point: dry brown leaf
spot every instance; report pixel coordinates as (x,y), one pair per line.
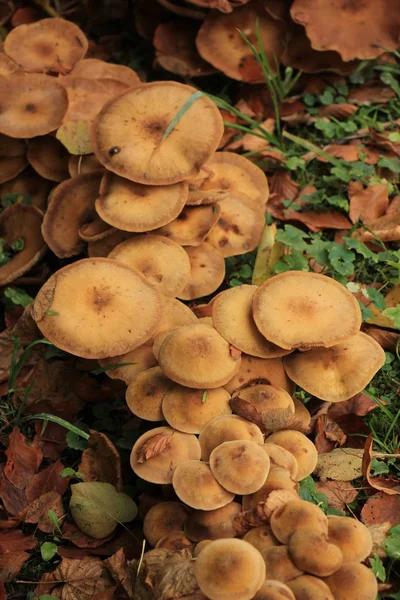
(47,480)
(247,411)
(13,546)
(71,532)
(386,227)
(388,485)
(14,499)
(387,339)
(339,493)
(342,464)
(2,591)
(381,508)
(23,459)
(370,93)
(38,511)
(252,143)
(322,441)
(379,534)
(101,462)
(348,152)
(282,185)
(154,446)
(118,566)
(360,405)
(338,111)
(367,204)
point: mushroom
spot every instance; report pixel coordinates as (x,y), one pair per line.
(175,540)
(163,518)
(197,487)
(200,546)
(281,458)
(189,410)
(297,516)
(175,314)
(28,184)
(261,537)
(94,68)
(229,569)
(274,405)
(7,66)
(307,587)
(141,148)
(12,157)
(274,590)
(351,536)
(197,356)
(224,429)
(300,446)
(260,370)
(304,310)
(338,373)
(95,323)
(79,165)
(158,452)
(311,551)
(354,581)
(49,158)
(212,524)
(162,262)
(278,479)
(207,271)
(103,247)
(192,225)
(131,364)
(146,392)
(301,419)
(279,565)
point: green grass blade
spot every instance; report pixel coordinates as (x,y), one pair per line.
(181,112)
(59,421)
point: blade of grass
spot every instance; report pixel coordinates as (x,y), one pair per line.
(18,365)
(59,421)
(312,148)
(181,112)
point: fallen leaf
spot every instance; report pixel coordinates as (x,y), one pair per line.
(14,499)
(47,480)
(370,93)
(360,405)
(247,411)
(381,508)
(379,534)
(367,204)
(2,591)
(338,111)
(388,485)
(386,227)
(250,142)
(282,185)
(38,511)
(349,153)
(121,572)
(387,339)
(101,462)
(154,446)
(75,136)
(23,459)
(81,540)
(342,464)
(339,493)
(13,546)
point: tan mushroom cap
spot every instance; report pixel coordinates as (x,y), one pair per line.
(281,458)
(239,227)
(24,222)
(300,446)
(199,196)
(198,357)
(103,247)
(229,569)
(7,66)
(298,515)
(233,319)
(224,429)
(354,581)
(94,68)
(49,158)
(175,314)
(191,225)
(159,468)
(274,405)
(46,46)
(129,365)
(351,536)
(175,540)
(197,487)
(159,340)
(261,537)
(207,271)
(146,392)
(336,374)
(162,262)
(324,559)
(163,518)
(71,206)
(189,410)
(260,370)
(28,183)
(240,466)
(274,590)
(31,105)
(80,165)
(86,308)
(279,565)
(135,207)
(212,524)
(278,480)
(298,309)
(95,229)
(301,419)
(306,587)
(135,148)
(200,546)
(12,157)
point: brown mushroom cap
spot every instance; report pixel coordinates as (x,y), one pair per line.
(174,540)
(298,515)
(7,66)
(28,184)
(79,165)
(354,581)
(189,410)
(281,458)
(94,68)
(260,370)
(307,587)
(300,446)
(135,149)
(197,487)
(141,359)
(175,314)
(279,565)
(274,405)
(135,207)
(233,319)
(278,479)
(192,225)
(274,590)
(103,247)
(224,429)
(298,309)
(164,518)
(49,158)
(351,536)
(311,552)
(12,157)
(163,263)
(207,271)
(229,569)
(200,546)
(31,105)
(46,46)
(176,449)
(338,373)
(96,322)
(20,221)
(95,229)
(197,356)
(301,419)
(212,524)
(146,392)
(261,537)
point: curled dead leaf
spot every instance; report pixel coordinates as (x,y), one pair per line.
(367,204)
(101,462)
(381,508)
(339,493)
(388,485)
(154,446)
(23,459)
(247,411)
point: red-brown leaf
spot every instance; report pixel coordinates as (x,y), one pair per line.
(381,508)
(38,511)
(339,493)
(388,485)
(71,532)
(47,480)
(367,204)
(101,462)
(247,411)
(23,459)
(13,546)
(14,500)
(154,446)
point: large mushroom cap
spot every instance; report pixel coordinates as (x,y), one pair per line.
(298,515)
(197,487)
(261,537)
(49,158)
(129,365)
(94,68)
(325,557)
(261,370)
(224,429)
(191,225)
(212,524)
(351,536)
(275,590)
(12,157)
(96,308)
(146,392)
(354,581)
(207,271)
(336,374)
(47,46)
(197,356)
(31,105)
(279,565)
(303,310)
(127,136)
(164,518)
(307,586)
(300,446)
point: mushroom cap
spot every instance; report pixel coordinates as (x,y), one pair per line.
(233,319)
(300,446)
(207,271)
(351,536)
(21,221)
(354,581)
(240,466)
(175,314)
(296,516)
(31,105)
(225,429)
(278,479)
(94,322)
(174,540)
(274,405)
(12,157)
(103,247)
(94,68)
(162,262)
(299,309)
(274,590)
(80,165)
(146,392)
(281,458)
(197,487)
(47,46)
(191,225)
(239,227)
(311,552)
(301,419)
(229,569)
(197,356)
(307,587)
(7,66)
(135,207)
(135,148)
(141,359)
(261,537)
(260,370)
(49,158)
(163,518)
(159,468)
(279,565)
(212,524)
(189,410)
(200,546)
(28,183)
(338,373)
(95,229)
(71,206)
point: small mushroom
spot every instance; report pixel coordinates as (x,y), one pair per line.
(212,524)
(274,590)
(79,165)
(163,518)
(175,314)
(261,537)
(278,479)
(281,458)
(49,158)
(94,68)
(311,551)
(260,370)
(300,446)
(279,565)
(102,248)
(207,271)
(351,536)
(307,587)
(297,516)
(301,419)
(354,581)
(274,405)
(28,184)
(224,429)
(197,487)
(145,394)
